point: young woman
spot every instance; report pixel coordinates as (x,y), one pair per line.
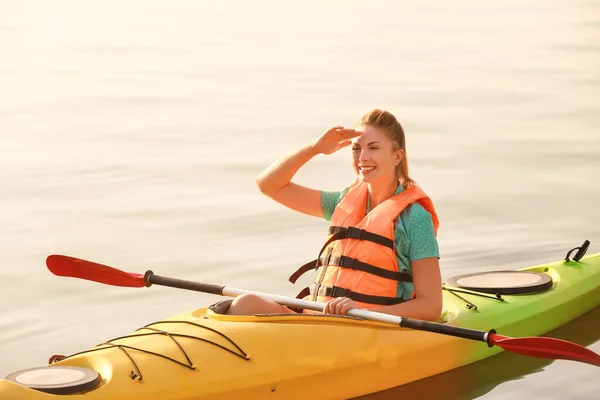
(381,253)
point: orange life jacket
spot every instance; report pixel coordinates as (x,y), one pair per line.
(360,253)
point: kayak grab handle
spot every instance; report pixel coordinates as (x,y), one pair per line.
(448,330)
(581,250)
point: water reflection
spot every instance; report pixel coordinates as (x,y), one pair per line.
(478,379)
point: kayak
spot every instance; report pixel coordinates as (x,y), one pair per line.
(205,354)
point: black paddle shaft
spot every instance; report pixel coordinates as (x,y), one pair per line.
(151,279)
(447,330)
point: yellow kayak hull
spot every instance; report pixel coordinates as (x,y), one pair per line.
(326,357)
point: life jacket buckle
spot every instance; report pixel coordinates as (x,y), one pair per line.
(337,291)
(348,262)
(355,233)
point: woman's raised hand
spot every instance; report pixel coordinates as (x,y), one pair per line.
(335,139)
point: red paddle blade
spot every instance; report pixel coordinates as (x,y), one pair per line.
(545,347)
(77,268)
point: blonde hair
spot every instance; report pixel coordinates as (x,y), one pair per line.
(386,121)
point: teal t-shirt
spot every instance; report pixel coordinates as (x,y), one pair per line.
(414,235)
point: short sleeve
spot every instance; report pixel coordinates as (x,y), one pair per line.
(329,200)
(419,228)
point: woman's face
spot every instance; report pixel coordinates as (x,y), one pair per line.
(374,156)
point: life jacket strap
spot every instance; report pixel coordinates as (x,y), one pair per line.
(357,265)
(336,291)
(303,293)
(354,264)
(314,264)
(339,233)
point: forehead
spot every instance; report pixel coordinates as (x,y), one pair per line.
(370,134)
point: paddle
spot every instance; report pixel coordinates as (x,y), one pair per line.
(542,347)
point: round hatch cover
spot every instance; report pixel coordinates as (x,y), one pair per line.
(56,379)
(503,282)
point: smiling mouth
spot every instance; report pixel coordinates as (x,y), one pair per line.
(366,169)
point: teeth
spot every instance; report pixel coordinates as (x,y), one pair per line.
(367,168)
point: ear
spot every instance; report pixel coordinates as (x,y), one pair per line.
(398,156)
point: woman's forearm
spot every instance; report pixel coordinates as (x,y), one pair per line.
(280,173)
(419,308)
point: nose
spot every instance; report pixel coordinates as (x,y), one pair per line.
(364,155)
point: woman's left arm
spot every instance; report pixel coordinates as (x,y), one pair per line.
(427,304)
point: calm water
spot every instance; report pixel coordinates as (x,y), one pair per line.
(131,133)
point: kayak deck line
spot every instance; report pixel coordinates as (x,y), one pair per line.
(497,296)
(468,304)
(137,374)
